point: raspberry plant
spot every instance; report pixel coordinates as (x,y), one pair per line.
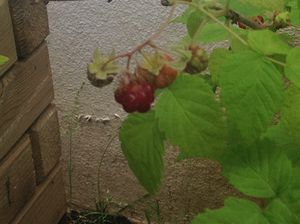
(245,113)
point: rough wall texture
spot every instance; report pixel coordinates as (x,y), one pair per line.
(77,28)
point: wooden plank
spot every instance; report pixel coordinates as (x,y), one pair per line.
(48,204)
(25,91)
(46,145)
(17,180)
(7,42)
(30,24)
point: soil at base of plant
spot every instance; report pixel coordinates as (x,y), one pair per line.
(75,217)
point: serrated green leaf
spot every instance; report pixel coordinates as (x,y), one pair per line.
(258,170)
(3,60)
(215,62)
(142,144)
(292,68)
(235,211)
(191,118)
(267,42)
(251,91)
(287,133)
(286,208)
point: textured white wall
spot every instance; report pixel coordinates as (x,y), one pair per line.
(77,28)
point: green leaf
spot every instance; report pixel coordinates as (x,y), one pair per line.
(292,68)
(252,91)
(3,60)
(194,22)
(286,208)
(191,118)
(212,32)
(255,7)
(183,18)
(235,211)
(142,144)
(216,61)
(267,42)
(258,170)
(287,133)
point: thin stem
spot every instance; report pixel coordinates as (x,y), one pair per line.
(276,61)
(101,161)
(146,42)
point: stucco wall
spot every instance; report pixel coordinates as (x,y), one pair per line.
(77,28)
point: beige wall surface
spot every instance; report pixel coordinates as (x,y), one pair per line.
(77,28)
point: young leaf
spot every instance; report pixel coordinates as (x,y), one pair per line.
(142,144)
(258,170)
(267,42)
(3,60)
(193,23)
(252,91)
(191,118)
(292,68)
(235,211)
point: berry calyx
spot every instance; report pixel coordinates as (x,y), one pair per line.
(198,61)
(135,97)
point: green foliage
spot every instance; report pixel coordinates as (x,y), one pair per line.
(252,90)
(267,42)
(190,117)
(292,68)
(251,124)
(235,211)
(258,170)
(3,60)
(142,144)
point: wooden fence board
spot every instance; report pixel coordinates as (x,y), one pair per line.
(17,180)
(30,24)
(48,204)
(7,42)
(46,145)
(25,91)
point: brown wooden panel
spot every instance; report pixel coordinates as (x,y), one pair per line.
(17,180)
(7,42)
(48,204)
(25,91)
(30,24)
(46,145)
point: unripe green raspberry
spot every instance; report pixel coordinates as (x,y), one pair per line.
(282,20)
(198,62)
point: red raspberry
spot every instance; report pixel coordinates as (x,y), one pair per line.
(135,97)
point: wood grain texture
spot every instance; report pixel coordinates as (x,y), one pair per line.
(46,145)
(48,204)
(7,42)
(17,180)
(30,24)
(25,91)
